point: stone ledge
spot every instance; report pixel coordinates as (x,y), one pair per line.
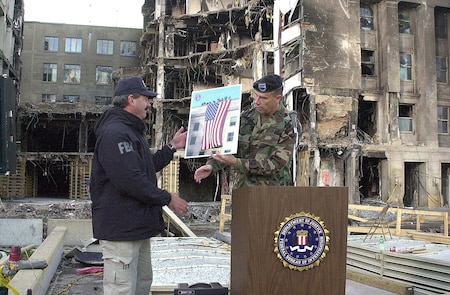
(38,280)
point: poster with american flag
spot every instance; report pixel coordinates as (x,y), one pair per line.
(214,121)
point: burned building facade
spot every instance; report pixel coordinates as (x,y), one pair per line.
(11,38)
(368,79)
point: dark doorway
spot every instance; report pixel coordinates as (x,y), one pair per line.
(414,185)
(445,183)
(367,118)
(370,178)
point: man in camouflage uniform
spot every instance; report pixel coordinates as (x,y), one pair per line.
(266,141)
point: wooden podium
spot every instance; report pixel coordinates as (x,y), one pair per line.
(264,217)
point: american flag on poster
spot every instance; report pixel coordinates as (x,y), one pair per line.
(214,120)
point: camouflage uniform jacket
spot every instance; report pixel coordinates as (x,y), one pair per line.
(264,150)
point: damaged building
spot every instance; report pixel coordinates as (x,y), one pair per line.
(368,80)
(66,84)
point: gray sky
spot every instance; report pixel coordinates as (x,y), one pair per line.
(110,13)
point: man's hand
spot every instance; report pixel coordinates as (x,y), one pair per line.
(177,204)
(228,160)
(179,139)
(202,172)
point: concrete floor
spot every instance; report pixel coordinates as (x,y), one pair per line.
(355,288)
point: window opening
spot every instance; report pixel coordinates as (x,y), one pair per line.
(105,47)
(405,66)
(50,72)
(103,75)
(441,69)
(72,74)
(367,63)
(51,44)
(128,48)
(366,17)
(442,120)
(73,45)
(404,21)
(405,117)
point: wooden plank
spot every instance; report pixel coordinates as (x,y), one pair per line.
(434,238)
(171,217)
(223,216)
(378,282)
(420,216)
(357,218)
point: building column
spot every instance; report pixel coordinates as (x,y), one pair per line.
(425,44)
(389,46)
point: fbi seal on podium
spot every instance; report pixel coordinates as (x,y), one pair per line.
(302,241)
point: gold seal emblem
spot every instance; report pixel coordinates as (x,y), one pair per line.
(302,241)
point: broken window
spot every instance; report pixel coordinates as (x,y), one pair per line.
(50,72)
(73,45)
(103,100)
(292,58)
(405,66)
(48,97)
(404,20)
(367,63)
(105,47)
(51,44)
(445,184)
(440,24)
(72,74)
(442,120)
(71,98)
(366,17)
(293,16)
(441,69)
(128,48)
(103,75)
(405,117)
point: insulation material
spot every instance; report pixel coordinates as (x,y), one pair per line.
(333,115)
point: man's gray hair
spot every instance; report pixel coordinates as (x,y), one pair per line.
(121,101)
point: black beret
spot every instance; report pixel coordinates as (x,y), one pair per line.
(268,83)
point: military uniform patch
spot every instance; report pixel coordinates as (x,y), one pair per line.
(302,241)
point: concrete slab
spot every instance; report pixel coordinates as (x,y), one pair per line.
(78,230)
(21,232)
(38,280)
